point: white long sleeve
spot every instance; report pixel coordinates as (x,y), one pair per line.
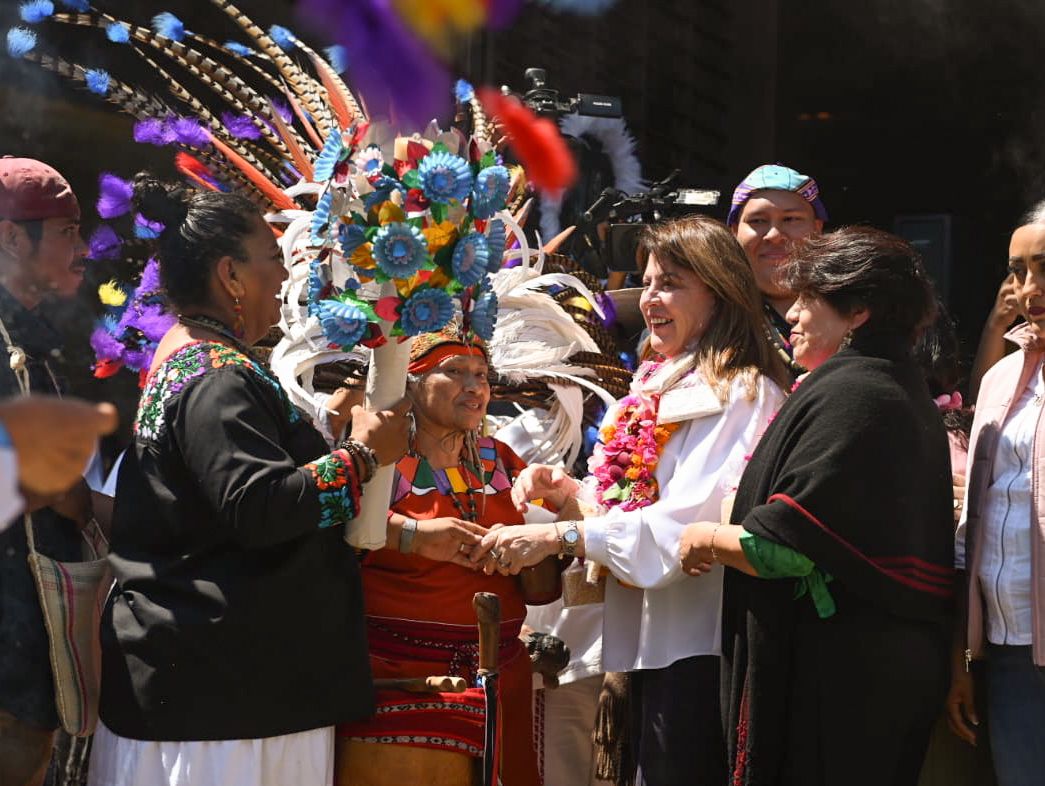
(667,615)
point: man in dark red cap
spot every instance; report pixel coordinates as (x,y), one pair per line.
(41,256)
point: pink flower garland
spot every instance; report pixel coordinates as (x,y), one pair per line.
(626,457)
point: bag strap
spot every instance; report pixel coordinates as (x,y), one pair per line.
(17,358)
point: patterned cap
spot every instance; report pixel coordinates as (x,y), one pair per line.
(776,177)
(431,349)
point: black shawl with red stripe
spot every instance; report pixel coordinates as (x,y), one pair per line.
(854,473)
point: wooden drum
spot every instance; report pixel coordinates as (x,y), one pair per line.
(360,763)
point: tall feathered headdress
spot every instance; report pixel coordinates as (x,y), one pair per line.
(384,235)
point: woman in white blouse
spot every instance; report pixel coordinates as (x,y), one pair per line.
(1001,537)
(695,412)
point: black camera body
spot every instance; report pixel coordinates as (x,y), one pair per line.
(546,101)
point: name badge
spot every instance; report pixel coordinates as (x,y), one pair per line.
(687,403)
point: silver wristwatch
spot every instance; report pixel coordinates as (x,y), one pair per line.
(569,538)
(406,536)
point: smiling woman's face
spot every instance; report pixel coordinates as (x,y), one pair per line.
(454,395)
(676,305)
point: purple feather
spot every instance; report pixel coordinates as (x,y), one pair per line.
(188,131)
(104,243)
(390,64)
(283,110)
(154,322)
(114,196)
(152,131)
(240,126)
(105,345)
(150,278)
(144,229)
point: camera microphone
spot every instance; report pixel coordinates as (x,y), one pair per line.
(607,197)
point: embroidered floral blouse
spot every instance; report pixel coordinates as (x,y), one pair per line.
(238,608)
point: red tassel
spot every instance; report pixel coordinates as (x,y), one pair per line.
(536,141)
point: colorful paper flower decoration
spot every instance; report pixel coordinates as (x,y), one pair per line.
(352,236)
(370,160)
(444,177)
(496,238)
(319,283)
(426,311)
(329,157)
(400,250)
(344,324)
(490,191)
(484,315)
(469,259)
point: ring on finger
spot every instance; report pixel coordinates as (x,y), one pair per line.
(496,554)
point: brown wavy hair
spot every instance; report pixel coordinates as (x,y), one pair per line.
(735,343)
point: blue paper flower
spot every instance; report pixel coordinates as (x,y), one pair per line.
(496,238)
(484,315)
(470,257)
(369,160)
(444,177)
(321,216)
(319,278)
(426,311)
(343,323)
(490,191)
(352,236)
(383,188)
(329,157)
(400,250)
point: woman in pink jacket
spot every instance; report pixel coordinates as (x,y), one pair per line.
(1001,537)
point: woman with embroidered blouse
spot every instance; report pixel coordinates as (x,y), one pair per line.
(669,453)
(233,640)
(838,549)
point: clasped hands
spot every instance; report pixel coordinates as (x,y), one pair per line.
(503,549)
(695,553)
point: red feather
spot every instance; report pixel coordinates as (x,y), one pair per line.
(195,170)
(536,140)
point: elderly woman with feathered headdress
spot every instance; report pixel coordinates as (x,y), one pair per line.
(450,489)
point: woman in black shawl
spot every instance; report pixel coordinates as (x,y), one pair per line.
(835,623)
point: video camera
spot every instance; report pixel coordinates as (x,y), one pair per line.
(662,200)
(545,101)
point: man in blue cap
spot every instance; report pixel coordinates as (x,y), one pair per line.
(772,208)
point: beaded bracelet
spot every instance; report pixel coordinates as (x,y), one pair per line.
(364,453)
(714,532)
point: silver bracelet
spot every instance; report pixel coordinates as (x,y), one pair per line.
(406,536)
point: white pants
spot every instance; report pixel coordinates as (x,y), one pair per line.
(302,759)
(568,720)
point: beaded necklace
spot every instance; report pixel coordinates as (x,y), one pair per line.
(472,512)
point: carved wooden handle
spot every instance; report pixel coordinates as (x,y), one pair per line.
(488,611)
(424,684)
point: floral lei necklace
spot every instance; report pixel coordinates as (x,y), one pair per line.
(626,457)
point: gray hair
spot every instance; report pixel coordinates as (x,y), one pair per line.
(1036,215)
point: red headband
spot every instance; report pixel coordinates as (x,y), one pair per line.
(441,352)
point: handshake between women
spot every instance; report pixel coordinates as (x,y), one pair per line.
(508,550)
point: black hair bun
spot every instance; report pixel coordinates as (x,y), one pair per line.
(166,203)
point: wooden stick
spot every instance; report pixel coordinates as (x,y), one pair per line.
(488,611)
(424,684)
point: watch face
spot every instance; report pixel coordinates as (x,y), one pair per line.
(570,537)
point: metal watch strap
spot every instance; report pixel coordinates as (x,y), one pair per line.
(568,546)
(406,536)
